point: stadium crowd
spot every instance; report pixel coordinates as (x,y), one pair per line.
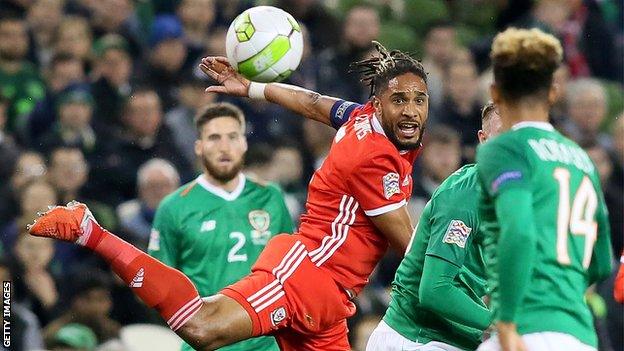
(97,99)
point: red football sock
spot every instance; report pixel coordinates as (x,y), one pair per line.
(167,290)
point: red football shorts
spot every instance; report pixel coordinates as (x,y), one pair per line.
(287,296)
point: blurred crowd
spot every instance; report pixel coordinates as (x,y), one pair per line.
(97,99)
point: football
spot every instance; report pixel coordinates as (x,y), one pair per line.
(264,44)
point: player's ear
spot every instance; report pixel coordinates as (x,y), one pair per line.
(377,105)
(554,93)
(198,148)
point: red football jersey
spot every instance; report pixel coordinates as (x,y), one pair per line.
(363,175)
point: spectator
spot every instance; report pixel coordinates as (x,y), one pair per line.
(289,178)
(34,197)
(8,149)
(258,161)
(88,303)
(68,172)
(73,36)
(167,56)
(73,127)
(142,138)
(318,139)
(117,17)
(19,80)
(112,84)
(313,14)
(43,18)
(35,285)
(197,17)
(440,44)
(440,157)
(63,72)
(586,103)
(361,26)
(25,328)
(29,167)
(589,42)
(155,179)
(73,337)
(180,118)
(461,109)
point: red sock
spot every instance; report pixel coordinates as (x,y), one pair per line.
(167,290)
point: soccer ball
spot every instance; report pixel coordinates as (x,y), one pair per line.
(264,44)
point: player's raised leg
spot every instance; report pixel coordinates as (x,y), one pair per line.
(205,324)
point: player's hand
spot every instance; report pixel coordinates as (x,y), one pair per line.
(509,338)
(231,82)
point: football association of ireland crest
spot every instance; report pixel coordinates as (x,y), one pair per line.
(260,221)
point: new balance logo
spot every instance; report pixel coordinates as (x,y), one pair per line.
(208,225)
(137,281)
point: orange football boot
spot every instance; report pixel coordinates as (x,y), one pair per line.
(71,223)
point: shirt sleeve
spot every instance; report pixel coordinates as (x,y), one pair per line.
(501,168)
(376,185)
(341,112)
(452,230)
(163,238)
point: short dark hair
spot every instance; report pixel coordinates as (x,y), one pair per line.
(443,135)
(437,24)
(218,109)
(83,282)
(379,70)
(485,111)
(524,62)
(140,89)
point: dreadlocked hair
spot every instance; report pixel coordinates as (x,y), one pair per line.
(377,71)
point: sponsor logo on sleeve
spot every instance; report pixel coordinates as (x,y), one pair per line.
(505,177)
(391,184)
(154,240)
(457,233)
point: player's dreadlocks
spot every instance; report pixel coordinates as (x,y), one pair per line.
(379,70)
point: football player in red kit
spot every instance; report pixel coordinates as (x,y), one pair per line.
(300,288)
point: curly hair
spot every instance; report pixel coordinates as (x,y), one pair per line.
(524,61)
(377,71)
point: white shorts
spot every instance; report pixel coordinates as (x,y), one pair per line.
(544,341)
(385,338)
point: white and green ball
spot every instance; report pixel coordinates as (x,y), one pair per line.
(264,44)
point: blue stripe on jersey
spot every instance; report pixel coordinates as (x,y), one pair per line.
(341,111)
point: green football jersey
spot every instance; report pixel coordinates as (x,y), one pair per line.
(449,229)
(569,213)
(214,237)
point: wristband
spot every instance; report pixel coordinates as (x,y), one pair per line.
(256,90)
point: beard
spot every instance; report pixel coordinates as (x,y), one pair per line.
(402,145)
(220,174)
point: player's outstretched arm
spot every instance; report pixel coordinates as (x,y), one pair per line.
(206,324)
(307,103)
